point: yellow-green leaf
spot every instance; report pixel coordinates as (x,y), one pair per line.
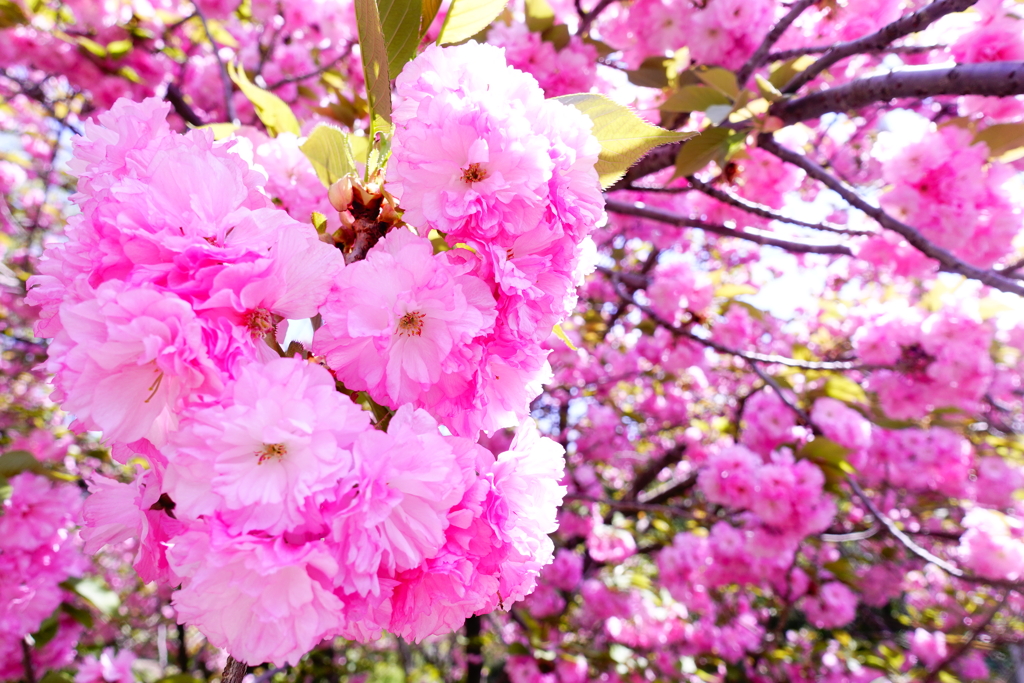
(843,388)
(1001,138)
(119,48)
(220,130)
(539,15)
(466,18)
(400,25)
(558,35)
(712,144)
(784,73)
(694,98)
(428,12)
(11,14)
(375,59)
(560,333)
(328,149)
(722,80)
(15,462)
(272,110)
(826,451)
(623,135)
(767,90)
(652,73)
(730,290)
(319,221)
(96,591)
(92,47)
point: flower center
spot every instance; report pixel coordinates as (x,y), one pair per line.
(914,361)
(411,324)
(474,173)
(271,450)
(259,322)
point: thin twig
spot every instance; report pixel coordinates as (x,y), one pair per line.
(966,645)
(625,505)
(26,661)
(750,234)
(948,261)
(850,537)
(758,58)
(748,356)
(905,25)
(764,211)
(225,79)
(587,19)
(295,79)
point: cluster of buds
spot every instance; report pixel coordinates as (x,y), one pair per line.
(367,213)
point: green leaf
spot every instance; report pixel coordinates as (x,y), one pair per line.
(558,35)
(46,631)
(652,73)
(328,149)
(56,677)
(843,570)
(466,18)
(400,25)
(428,12)
(767,90)
(784,73)
(826,451)
(92,47)
(272,110)
(319,221)
(843,388)
(730,290)
(560,333)
(220,130)
(539,15)
(712,144)
(15,462)
(119,48)
(623,135)
(98,594)
(82,616)
(178,678)
(694,98)
(11,14)
(1001,138)
(375,59)
(722,80)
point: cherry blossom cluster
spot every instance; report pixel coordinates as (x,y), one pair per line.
(38,552)
(267,492)
(945,186)
(508,178)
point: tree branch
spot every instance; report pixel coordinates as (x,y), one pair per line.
(785,55)
(234,671)
(748,356)
(966,645)
(992,79)
(758,58)
(651,472)
(229,104)
(757,237)
(948,261)
(905,25)
(177,100)
(764,211)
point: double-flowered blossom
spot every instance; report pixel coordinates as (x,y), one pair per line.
(37,553)
(937,361)
(281,510)
(945,187)
(508,178)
